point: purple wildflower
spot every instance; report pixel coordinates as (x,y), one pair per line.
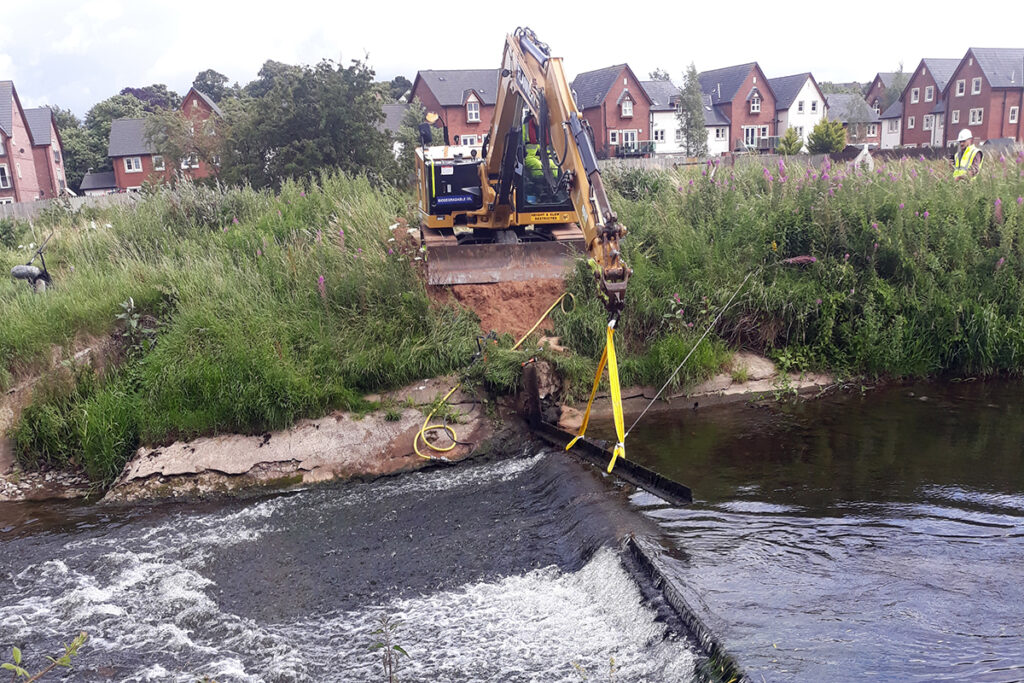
(874,226)
(853,290)
(235,220)
(302,194)
(390,251)
(1000,262)
(998,201)
(817,302)
(1020,200)
(846,257)
(902,205)
(259,252)
(322,286)
(925,214)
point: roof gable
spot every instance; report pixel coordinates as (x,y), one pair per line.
(663,94)
(40,123)
(591,87)
(941,70)
(894,111)
(723,84)
(6,107)
(451,87)
(205,98)
(850,107)
(786,88)
(128,138)
(1003,67)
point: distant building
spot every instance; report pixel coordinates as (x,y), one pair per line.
(618,109)
(985,94)
(464,100)
(878,90)
(665,132)
(392,123)
(743,96)
(891,121)
(924,107)
(97,183)
(31,156)
(799,104)
(136,160)
(861,123)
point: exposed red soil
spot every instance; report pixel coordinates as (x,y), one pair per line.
(511,307)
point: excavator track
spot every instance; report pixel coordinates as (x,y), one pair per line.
(455,261)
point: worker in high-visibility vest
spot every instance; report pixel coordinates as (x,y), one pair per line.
(967,160)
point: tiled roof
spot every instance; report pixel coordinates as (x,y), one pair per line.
(452,87)
(722,84)
(941,70)
(894,111)
(213,105)
(6,111)
(393,114)
(713,115)
(786,88)
(98,180)
(1003,67)
(847,107)
(940,106)
(591,87)
(887,78)
(128,138)
(39,125)
(663,94)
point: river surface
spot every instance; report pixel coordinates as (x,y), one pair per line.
(875,536)
(863,536)
(499,571)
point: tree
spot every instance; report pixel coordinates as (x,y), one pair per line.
(325,116)
(830,88)
(211,83)
(690,114)
(79,155)
(400,85)
(177,137)
(154,97)
(895,88)
(790,143)
(828,137)
(659,75)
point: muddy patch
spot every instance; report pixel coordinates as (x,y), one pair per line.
(505,307)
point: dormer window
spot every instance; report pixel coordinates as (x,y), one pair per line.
(755,104)
(627,108)
(472,110)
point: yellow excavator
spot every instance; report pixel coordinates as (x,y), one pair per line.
(525,203)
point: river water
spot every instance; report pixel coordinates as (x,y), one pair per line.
(874,536)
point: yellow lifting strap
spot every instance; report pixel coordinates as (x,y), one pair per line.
(607,357)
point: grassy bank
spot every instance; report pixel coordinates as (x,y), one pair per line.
(241,311)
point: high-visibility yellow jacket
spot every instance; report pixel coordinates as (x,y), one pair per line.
(964,160)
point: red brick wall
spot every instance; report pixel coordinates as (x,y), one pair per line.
(739,109)
(996,104)
(5,160)
(196,109)
(876,93)
(125,180)
(455,116)
(19,156)
(917,135)
(612,116)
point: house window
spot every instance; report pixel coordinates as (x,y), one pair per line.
(755,105)
(613,137)
(5,178)
(800,107)
(679,134)
(56,156)
(133,164)
(659,136)
(3,149)
(928,122)
(961,87)
(910,122)
(976,86)
(976,117)
(954,116)
(1014,112)
(814,106)
(216,160)
(17,168)
(629,137)
(469,140)
(749,135)
(763,132)
(915,95)
(877,108)
(872,130)
(721,133)
(472,111)
(191,161)
(158,163)
(929,93)
(627,108)
(800,132)
(894,125)
(61,185)
(6,200)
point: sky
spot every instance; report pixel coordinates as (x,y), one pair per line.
(74,54)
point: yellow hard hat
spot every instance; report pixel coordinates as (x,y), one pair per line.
(431,117)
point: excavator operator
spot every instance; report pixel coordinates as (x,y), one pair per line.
(534,184)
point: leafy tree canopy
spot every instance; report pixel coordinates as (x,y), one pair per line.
(399,86)
(691,115)
(659,75)
(790,143)
(828,137)
(154,97)
(212,83)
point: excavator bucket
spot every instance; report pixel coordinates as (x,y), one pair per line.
(452,263)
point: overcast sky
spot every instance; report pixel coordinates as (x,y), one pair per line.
(74,54)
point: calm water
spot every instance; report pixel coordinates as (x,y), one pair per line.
(859,537)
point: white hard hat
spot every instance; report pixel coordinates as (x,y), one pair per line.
(965,134)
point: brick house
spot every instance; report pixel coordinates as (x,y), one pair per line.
(861,123)
(799,103)
(47,152)
(743,96)
(135,159)
(18,179)
(985,93)
(98,183)
(924,108)
(876,93)
(618,109)
(462,98)
(665,132)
